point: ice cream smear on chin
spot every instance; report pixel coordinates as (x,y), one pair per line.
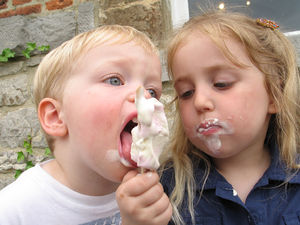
(209,132)
(151,133)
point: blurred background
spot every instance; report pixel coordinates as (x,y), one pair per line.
(285,13)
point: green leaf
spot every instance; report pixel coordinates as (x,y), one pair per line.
(3,59)
(18,173)
(29,164)
(29,150)
(43,48)
(31,46)
(7,52)
(26,144)
(20,156)
(26,53)
(47,151)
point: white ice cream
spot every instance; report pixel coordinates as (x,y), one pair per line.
(151,134)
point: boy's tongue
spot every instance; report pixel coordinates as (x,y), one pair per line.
(144,145)
(126,141)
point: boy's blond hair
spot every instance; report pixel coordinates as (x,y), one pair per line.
(273,54)
(57,65)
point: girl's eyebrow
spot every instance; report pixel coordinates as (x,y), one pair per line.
(207,70)
(219,67)
(182,79)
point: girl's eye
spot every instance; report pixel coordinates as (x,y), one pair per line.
(222,85)
(115,81)
(152,93)
(186,94)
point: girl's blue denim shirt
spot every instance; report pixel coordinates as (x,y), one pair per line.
(274,200)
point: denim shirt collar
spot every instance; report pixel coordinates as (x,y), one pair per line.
(276,172)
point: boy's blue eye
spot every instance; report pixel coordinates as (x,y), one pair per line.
(115,81)
(152,93)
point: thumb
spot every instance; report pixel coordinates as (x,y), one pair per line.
(129,175)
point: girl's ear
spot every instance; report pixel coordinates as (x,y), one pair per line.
(49,113)
(272,109)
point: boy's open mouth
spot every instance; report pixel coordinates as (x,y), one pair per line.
(125,144)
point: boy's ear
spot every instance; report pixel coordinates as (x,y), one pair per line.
(49,113)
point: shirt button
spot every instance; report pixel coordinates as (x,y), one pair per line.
(249,219)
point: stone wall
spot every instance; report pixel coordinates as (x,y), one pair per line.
(51,23)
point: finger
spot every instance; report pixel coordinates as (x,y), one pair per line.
(161,209)
(121,192)
(129,175)
(159,213)
(165,216)
(141,183)
(160,206)
(152,195)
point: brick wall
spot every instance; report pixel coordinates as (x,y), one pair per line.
(51,22)
(27,7)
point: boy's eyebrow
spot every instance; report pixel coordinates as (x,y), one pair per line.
(113,61)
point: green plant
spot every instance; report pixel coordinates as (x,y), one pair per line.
(9,53)
(25,156)
(6,54)
(31,47)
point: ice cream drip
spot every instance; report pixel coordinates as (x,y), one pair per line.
(209,132)
(151,133)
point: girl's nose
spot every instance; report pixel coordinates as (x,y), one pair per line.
(203,102)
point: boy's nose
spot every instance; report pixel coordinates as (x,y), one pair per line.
(147,94)
(132,95)
(203,102)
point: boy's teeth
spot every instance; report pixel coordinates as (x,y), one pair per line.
(135,120)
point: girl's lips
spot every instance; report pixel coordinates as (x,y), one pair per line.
(209,130)
(209,127)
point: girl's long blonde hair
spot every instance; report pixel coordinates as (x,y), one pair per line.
(273,54)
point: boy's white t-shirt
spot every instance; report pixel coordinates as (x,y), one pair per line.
(36,198)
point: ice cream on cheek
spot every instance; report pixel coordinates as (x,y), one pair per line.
(209,132)
(150,135)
